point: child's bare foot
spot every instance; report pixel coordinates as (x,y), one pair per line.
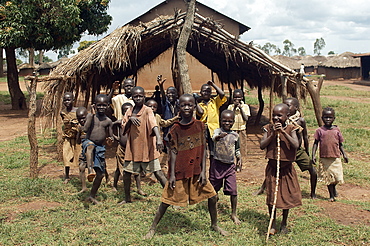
(93,200)
(259,192)
(313,196)
(82,190)
(283,229)
(90,177)
(272,231)
(124,202)
(220,230)
(331,199)
(236,220)
(150,234)
(66,180)
(114,189)
(140,192)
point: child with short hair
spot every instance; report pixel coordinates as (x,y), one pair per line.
(225,160)
(120,99)
(81,114)
(241,112)
(96,127)
(70,129)
(160,122)
(208,109)
(187,178)
(330,141)
(144,142)
(289,193)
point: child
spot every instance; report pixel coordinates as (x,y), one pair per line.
(289,193)
(120,154)
(81,114)
(242,112)
(143,142)
(96,128)
(222,168)
(120,99)
(70,129)
(303,156)
(330,139)
(160,122)
(157,97)
(209,110)
(187,177)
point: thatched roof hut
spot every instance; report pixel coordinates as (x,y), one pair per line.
(291,62)
(344,60)
(127,49)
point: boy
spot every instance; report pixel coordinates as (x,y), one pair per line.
(96,127)
(81,114)
(289,193)
(242,112)
(120,99)
(222,168)
(209,110)
(331,146)
(187,177)
(70,129)
(142,149)
(120,154)
(303,156)
(160,122)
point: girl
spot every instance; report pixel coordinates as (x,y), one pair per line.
(330,139)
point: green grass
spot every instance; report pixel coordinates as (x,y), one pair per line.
(5,96)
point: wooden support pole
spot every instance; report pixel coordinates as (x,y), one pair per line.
(271,97)
(284,88)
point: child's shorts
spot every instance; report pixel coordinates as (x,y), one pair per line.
(303,160)
(187,191)
(223,174)
(138,167)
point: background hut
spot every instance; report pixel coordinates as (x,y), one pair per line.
(341,66)
(365,65)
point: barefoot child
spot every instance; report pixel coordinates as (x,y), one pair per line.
(96,127)
(120,154)
(120,99)
(70,129)
(81,114)
(330,139)
(242,112)
(289,193)
(223,166)
(143,142)
(187,172)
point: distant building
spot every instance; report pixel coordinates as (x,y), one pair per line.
(365,65)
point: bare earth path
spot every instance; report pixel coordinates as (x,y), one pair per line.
(13,123)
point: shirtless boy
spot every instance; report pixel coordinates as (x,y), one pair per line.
(96,128)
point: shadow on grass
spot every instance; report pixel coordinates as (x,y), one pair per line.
(174,221)
(256,220)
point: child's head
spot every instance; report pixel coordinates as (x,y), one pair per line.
(125,107)
(280,113)
(227,119)
(237,96)
(187,105)
(156,88)
(171,94)
(101,103)
(152,104)
(206,91)
(328,116)
(293,105)
(138,95)
(81,113)
(128,84)
(68,99)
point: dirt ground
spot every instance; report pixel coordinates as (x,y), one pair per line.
(13,123)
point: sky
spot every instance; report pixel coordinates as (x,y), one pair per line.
(344,26)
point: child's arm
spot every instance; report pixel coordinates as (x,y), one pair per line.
(238,156)
(160,82)
(292,139)
(266,140)
(314,149)
(218,134)
(115,86)
(343,153)
(172,180)
(218,89)
(110,138)
(305,136)
(88,123)
(169,122)
(244,115)
(159,139)
(202,177)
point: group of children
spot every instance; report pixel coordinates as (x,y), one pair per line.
(194,127)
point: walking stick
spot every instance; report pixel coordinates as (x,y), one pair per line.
(276,186)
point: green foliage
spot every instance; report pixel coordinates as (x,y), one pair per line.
(84,45)
(301,51)
(318,46)
(268,48)
(65,51)
(331,53)
(5,96)
(288,49)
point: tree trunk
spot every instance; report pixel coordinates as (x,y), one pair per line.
(1,63)
(181,47)
(284,88)
(17,96)
(261,105)
(31,56)
(41,56)
(32,138)
(315,97)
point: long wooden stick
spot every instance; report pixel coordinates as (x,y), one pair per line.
(276,187)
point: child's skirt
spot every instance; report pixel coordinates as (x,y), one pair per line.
(330,171)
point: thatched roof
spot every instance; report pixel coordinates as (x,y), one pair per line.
(127,49)
(344,60)
(291,62)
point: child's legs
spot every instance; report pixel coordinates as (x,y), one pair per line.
(212,208)
(285,218)
(127,185)
(158,216)
(97,181)
(160,177)
(90,156)
(154,167)
(82,167)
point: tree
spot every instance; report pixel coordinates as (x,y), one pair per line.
(84,45)
(331,53)
(289,49)
(301,51)
(65,51)
(44,59)
(268,48)
(46,25)
(318,46)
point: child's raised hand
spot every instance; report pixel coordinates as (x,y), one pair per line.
(115,85)
(211,83)
(134,120)
(109,141)
(93,109)
(278,126)
(202,179)
(160,80)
